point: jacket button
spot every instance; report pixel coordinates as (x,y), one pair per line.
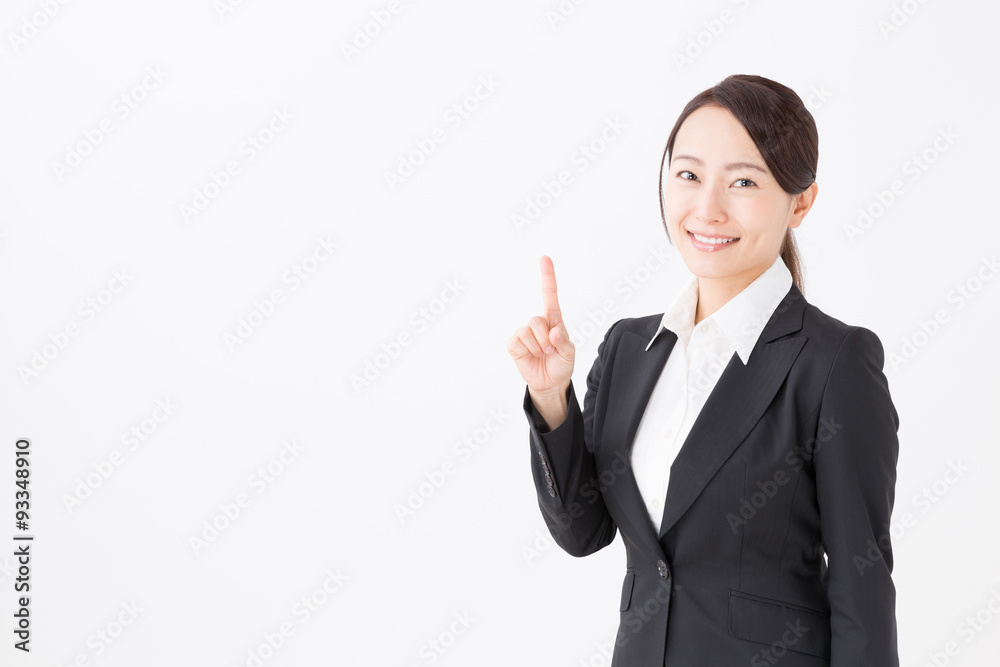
(662,567)
(552,492)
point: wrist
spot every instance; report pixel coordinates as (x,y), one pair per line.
(555,396)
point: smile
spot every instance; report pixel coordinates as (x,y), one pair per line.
(711,243)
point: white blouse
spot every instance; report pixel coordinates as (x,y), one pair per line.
(691,371)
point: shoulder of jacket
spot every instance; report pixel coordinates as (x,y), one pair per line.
(827,329)
(645,326)
(640,325)
(837,339)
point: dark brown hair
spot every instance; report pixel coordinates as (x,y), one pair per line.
(782,129)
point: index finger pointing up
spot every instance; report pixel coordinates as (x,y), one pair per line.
(550,300)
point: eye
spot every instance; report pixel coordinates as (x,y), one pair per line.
(745,180)
(681,174)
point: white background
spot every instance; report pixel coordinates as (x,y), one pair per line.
(477,546)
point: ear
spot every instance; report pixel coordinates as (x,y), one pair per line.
(801,203)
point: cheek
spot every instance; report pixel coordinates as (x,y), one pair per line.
(761,217)
(674,205)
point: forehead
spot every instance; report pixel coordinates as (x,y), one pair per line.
(713,131)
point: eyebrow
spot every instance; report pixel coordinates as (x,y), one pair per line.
(732,166)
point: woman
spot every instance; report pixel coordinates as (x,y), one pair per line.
(744,443)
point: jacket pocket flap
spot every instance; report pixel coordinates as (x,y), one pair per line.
(779,624)
(627,590)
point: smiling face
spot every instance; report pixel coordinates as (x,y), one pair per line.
(726,213)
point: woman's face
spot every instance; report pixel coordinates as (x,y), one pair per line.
(718,185)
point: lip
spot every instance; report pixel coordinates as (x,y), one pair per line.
(710,247)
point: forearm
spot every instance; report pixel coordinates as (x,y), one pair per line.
(565,475)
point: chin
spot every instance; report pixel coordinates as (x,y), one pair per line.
(708,262)
(712,274)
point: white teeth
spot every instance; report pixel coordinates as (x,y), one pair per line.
(713,241)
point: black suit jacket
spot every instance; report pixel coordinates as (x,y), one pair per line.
(774,545)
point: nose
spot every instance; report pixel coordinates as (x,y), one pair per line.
(710,204)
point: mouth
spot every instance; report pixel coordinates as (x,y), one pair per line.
(711,242)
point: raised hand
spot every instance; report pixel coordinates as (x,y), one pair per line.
(542,350)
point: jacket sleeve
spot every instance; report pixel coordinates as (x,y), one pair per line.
(565,471)
(855,454)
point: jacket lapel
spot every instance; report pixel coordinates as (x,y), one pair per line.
(735,404)
(634,375)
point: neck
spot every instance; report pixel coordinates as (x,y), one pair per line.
(714,293)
